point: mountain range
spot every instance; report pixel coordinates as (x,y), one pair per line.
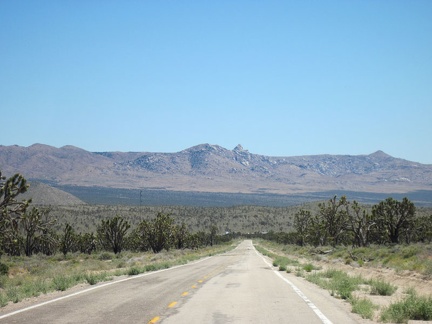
(212,168)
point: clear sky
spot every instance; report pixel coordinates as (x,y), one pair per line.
(282,78)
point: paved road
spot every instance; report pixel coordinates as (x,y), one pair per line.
(236,287)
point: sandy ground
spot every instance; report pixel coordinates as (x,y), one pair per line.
(403,280)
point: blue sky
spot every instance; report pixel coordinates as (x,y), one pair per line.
(282,78)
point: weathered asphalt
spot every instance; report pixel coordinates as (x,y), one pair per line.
(240,286)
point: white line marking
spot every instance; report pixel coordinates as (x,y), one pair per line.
(321,316)
(99,286)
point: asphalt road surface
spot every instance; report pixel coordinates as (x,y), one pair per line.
(240,286)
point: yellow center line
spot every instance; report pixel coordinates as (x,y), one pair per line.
(194,287)
(172,304)
(185,294)
(154,320)
(200,281)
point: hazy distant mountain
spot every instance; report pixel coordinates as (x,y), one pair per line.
(212,168)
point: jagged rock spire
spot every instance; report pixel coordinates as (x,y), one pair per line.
(238,148)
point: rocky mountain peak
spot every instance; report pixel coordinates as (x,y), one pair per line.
(208,167)
(238,148)
(380,155)
(203,148)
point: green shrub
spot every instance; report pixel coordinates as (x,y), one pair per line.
(40,286)
(332,273)
(164,265)
(105,256)
(13,294)
(411,308)
(339,283)
(3,282)
(410,251)
(150,267)
(4,269)
(62,283)
(317,279)
(32,288)
(344,287)
(282,268)
(364,307)
(121,264)
(3,299)
(309,267)
(299,272)
(92,278)
(410,291)
(133,271)
(427,268)
(382,288)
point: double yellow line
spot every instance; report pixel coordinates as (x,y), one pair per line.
(172,304)
(216,271)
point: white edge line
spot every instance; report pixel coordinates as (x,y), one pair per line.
(321,316)
(99,286)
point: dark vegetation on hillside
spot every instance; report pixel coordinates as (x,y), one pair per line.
(243,219)
(159,197)
(26,230)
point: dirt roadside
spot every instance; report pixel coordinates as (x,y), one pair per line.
(403,280)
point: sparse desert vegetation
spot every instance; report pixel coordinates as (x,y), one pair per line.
(378,290)
(378,258)
(28,277)
(36,258)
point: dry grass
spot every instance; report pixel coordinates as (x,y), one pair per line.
(40,274)
(380,289)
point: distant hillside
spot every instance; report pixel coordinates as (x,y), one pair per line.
(212,168)
(42,194)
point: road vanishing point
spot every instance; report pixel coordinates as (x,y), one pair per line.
(240,286)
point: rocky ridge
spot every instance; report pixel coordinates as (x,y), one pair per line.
(212,168)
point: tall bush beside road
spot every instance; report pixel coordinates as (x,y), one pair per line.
(342,222)
(11,211)
(159,232)
(361,224)
(112,233)
(335,218)
(23,230)
(395,218)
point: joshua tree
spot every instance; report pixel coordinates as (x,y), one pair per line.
(112,233)
(394,217)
